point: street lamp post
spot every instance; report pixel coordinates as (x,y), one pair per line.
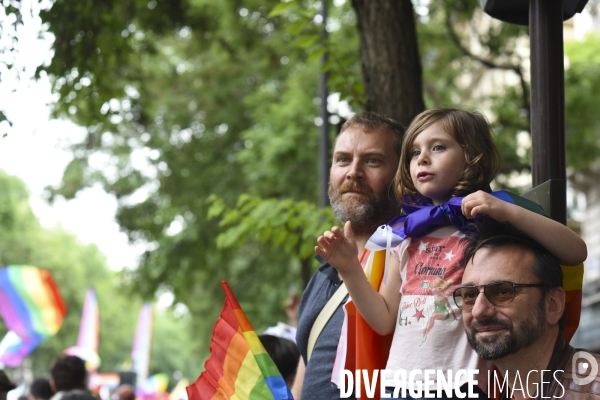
(545,19)
(324,146)
(548,102)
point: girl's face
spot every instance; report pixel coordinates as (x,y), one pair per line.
(436,164)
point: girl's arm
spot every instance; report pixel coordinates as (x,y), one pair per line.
(296,388)
(557,238)
(379,309)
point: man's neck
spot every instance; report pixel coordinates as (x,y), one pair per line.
(361,242)
(516,367)
(362,233)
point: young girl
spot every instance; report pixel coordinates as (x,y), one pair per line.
(446,153)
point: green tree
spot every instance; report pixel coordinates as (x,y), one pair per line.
(202,136)
(180,105)
(582,89)
(76,267)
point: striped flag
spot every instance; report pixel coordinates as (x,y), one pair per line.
(142,343)
(89,331)
(239,366)
(153,387)
(32,309)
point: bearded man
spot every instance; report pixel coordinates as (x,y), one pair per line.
(513,303)
(365,160)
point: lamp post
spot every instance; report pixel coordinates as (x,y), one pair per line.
(545,20)
(324,132)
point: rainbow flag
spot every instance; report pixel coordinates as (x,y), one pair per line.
(238,367)
(89,331)
(110,380)
(142,343)
(573,286)
(152,387)
(360,347)
(32,309)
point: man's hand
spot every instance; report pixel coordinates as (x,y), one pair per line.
(481,202)
(338,249)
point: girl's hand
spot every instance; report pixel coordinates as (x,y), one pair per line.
(338,249)
(481,202)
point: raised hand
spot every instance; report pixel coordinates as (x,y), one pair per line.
(339,249)
(481,202)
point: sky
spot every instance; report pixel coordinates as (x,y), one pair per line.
(35,150)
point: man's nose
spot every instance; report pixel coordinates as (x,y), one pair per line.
(355,170)
(483,308)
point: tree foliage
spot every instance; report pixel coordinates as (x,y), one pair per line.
(582,90)
(196,109)
(216,106)
(76,267)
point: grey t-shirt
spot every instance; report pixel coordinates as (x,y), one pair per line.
(317,378)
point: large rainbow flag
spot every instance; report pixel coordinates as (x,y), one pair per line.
(89,331)
(32,309)
(238,367)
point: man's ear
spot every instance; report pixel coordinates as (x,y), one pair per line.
(52,385)
(555,305)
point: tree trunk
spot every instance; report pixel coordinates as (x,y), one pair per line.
(390,59)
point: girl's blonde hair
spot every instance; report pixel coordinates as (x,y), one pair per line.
(472,131)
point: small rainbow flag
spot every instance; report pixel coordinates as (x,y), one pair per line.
(110,380)
(142,343)
(239,367)
(89,331)
(32,309)
(152,387)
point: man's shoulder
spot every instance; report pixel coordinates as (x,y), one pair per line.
(324,274)
(319,290)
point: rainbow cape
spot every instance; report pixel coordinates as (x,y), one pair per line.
(360,347)
(363,348)
(238,367)
(89,331)
(32,309)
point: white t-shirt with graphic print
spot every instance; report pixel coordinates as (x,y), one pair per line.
(429,332)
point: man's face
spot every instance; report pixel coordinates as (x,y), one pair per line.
(360,180)
(497,331)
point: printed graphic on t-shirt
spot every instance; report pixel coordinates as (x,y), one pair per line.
(433,271)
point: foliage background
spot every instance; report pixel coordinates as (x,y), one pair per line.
(76,267)
(202,118)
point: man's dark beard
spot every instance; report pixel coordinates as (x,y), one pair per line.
(503,344)
(365,213)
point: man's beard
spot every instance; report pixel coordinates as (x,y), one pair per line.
(366,212)
(503,344)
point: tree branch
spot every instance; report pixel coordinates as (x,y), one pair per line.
(490,64)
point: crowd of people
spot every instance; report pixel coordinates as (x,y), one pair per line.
(473,281)
(67,380)
(68,376)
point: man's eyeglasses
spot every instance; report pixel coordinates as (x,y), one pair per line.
(498,293)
